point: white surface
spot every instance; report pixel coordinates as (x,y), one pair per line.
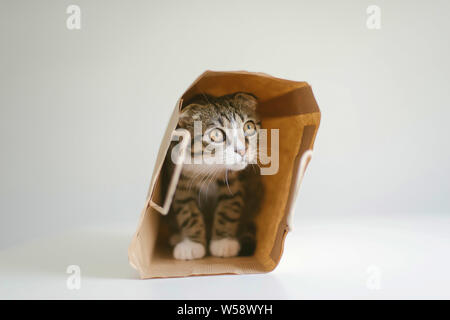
(82,114)
(322,259)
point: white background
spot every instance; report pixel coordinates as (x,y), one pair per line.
(83,112)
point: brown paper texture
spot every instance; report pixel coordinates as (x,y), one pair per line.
(286,105)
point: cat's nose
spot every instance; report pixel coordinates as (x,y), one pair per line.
(240,151)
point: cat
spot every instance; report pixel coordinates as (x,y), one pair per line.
(215,202)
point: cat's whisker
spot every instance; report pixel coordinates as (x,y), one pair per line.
(204,182)
(200,184)
(213,178)
(226,180)
(195,178)
(202,171)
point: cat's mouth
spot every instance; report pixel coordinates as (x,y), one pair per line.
(230,161)
(237,166)
(237,162)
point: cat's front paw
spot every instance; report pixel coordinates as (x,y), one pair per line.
(188,250)
(224,248)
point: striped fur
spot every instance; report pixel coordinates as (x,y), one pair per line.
(214,204)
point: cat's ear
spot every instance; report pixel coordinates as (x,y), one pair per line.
(190,113)
(246,99)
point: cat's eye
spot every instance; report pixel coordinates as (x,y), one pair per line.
(249,128)
(216,135)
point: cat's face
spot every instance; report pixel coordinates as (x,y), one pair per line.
(224,132)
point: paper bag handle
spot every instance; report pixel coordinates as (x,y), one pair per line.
(306,157)
(186,139)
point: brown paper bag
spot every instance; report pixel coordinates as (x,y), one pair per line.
(283,104)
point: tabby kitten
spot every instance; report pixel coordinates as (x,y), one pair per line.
(220,189)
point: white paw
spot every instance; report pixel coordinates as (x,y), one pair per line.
(224,248)
(188,250)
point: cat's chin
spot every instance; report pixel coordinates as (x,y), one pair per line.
(237,166)
(204,169)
